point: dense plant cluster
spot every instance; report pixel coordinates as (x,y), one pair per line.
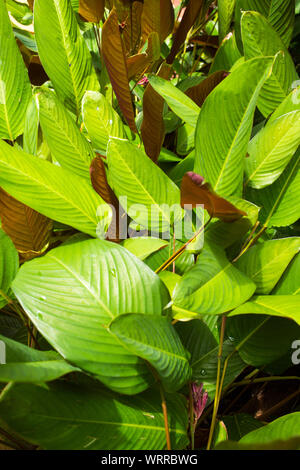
(149,205)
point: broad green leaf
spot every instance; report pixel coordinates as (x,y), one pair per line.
(271,150)
(226,56)
(199,338)
(170,280)
(289,104)
(24,364)
(101,120)
(260,39)
(185,139)
(261,339)
(154,339)
(52,191)
(221,148)
(63,51)
(279,202)
(283,428)
(180,103)
(225,12)
(289,282)
(287,306)
(279,13)
(31,128)
(9,264)
(213,286)
(153,200)
(67,145)
(98,280)
(187,164)
(15,89)
(65,416)
(142,247)
(265,263)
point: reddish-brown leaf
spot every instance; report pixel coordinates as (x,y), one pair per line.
(139,64)
(205,40)
(29,230)
(195,191)
(131,27)
(91,10)
(152,128)
(191,13)
(101,186)
(115,60)
(200,92)
(167,19)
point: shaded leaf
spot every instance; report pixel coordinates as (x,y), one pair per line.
(68,416)
(227,55)
(289,282)
(225,12)
(115,60)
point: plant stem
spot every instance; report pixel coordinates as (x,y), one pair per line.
(218,385)
(165,413)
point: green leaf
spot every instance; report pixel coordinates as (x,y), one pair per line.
(283,428)
(280,14)
(67,416)
(213,286)
(225,11)
(15,89)
(265,263)
(98,280)
(52,191)
(280,204)
(154,339)
(142,247)
(183,263)
(260,339)
(101,120)
(289,282)
(260,39)
(289,104)
(24,364)
(63,52)
(67,145)
(287,306)
(221,148)
(180,103)
(271,150)
(31,128)
(227,55)
(199,338)
(150,193)
(9,265)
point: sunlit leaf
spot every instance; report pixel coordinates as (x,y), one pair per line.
(8,266)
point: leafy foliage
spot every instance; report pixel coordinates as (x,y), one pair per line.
(149,206)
